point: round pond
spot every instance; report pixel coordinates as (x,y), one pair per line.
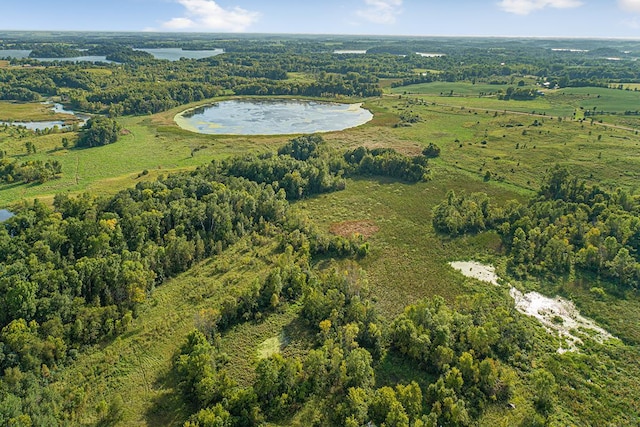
(5,214)
(272,117)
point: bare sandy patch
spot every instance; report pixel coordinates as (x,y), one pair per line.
(364,228)
(476,270)
(558,315)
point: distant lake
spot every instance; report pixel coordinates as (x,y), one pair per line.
(175,53)
(346,52)
(272,117)
(22,53)
(5,215)
(14,53)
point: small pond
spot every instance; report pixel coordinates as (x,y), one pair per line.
(175,53)
(272,117)
(5,214)
(349,52)
(56,108)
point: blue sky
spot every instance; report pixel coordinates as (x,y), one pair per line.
(543,18)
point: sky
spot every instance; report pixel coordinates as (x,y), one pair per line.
(537,18)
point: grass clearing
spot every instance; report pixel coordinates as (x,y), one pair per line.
(408,260)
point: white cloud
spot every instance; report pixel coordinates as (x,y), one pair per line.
(381,11)
(207,15)
(630,5)
(525,7)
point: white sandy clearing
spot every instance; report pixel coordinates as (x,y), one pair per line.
(558,315)
(473,269)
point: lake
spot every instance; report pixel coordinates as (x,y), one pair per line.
(23,53)
(175,53)
(5,214)
(272,117)
(14,53)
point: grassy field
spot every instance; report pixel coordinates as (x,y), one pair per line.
(147,145)
(558,102)
(137,365)
(460,89)
(408,261)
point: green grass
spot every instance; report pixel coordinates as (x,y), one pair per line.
(408,260)
(301,77)
(560,102)
(159,149)
(605,99)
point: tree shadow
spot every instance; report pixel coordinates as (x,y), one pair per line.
(393,369)
(168,407)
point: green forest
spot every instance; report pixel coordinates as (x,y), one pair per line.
(152,275)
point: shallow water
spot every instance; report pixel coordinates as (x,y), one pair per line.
(272,117)
(14,53)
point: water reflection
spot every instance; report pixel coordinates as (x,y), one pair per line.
(272,117)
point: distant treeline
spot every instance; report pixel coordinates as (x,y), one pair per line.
(140,84)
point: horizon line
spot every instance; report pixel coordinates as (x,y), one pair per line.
(227,34)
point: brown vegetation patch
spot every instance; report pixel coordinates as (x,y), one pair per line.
(365,228)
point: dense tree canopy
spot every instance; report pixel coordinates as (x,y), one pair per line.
(99,131)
